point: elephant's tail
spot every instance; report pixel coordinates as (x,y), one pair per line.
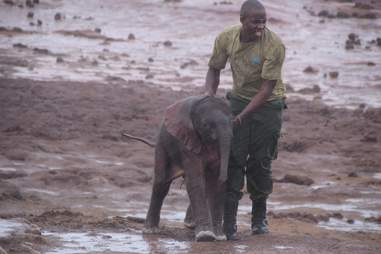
(125,134)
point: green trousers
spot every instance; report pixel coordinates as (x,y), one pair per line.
(254,146)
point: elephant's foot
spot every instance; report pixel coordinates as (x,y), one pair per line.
(189,224)
(151,224)
(151,230)
(188,220)
(221,237)
(205,236)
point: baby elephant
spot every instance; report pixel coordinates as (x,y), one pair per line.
(194,142)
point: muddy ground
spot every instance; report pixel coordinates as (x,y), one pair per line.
(69,183)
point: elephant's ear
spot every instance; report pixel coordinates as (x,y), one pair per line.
(179,124)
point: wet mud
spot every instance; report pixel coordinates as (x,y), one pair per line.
(71,183)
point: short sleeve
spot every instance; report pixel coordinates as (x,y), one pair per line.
(273,62)
(220,56)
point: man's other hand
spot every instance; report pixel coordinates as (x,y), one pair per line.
(238,119)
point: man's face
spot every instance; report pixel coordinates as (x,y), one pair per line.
(254,22)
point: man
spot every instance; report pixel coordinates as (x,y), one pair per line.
(256,57)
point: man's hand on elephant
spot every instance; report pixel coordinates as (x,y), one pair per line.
(238,119)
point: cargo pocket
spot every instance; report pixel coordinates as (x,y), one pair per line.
(273,146)
(265,148)
(240,143)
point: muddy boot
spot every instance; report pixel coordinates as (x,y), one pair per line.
(230,220)
(258,219)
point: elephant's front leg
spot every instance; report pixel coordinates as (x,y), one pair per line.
(188,220)
(195,183)
(216,195)
(160,189)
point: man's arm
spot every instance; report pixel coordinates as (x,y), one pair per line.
(258,100)
(212,81)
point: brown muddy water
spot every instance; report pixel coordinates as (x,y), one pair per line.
(170,43)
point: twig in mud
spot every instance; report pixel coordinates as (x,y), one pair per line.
(124,134)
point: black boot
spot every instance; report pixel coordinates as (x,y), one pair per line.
(258,219)
(230,220)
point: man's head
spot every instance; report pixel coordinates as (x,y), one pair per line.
(253,17)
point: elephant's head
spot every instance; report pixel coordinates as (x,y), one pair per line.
(202,121)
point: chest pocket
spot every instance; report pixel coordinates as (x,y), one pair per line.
(247,64)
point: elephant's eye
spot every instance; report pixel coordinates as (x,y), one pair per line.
(208,125)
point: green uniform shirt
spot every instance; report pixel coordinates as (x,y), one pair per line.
(251,62)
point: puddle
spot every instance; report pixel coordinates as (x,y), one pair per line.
(8,169)
(55,168)
(332,207)
(96,159)
(174,245)
(244,209)
(377,176)
(370,192)
(280,247)
(327,48)
(366,201)
(52,193)
(342,225)
(241,248)
(103,162)
(7,227)
(358,206)
(165,214)
(322,185)
(173,215)
(129,242)
(351,206)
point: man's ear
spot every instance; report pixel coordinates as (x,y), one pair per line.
(241,19)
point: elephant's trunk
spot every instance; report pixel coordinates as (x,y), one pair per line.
(225,137)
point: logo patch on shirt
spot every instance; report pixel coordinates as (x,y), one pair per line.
(256,60)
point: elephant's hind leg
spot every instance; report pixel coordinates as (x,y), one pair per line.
(160,189)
